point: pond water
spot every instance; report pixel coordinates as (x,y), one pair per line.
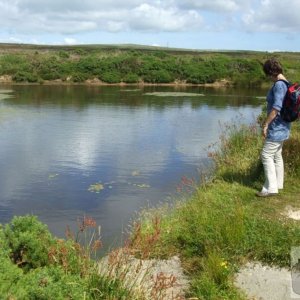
(106,152)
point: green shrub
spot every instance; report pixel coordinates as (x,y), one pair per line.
(88,65)
(129,64)
(10,64)
(10,273)
(113,65)
(111,77)
(197,79)
(63,54)
(80,51)
(49,68)
(131,78)
(158,76)
(48,283)
(79,77)
(29,241)
(22,76)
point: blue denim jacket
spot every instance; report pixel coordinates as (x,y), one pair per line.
(278,130)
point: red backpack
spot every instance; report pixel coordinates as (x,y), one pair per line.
(290,110)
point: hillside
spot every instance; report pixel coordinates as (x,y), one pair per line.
(136,64)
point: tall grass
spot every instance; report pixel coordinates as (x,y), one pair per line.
(291,151)
(237,158)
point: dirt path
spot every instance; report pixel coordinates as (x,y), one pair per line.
(270,283)
(267,283)
(149,278)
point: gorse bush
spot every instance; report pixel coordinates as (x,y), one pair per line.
(158,76)
(10,64)
(131,78)
(35,265)
(46,283)
(23,76)
(111,77)
(28,242)
(79,77)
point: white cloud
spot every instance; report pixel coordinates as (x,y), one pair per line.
(33,17)
(114,26)
(58,6)
(276,16)
(14,40)
(70,41)
(216,5)
(148,17)
(56,16)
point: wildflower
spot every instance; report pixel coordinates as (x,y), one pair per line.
(89,222)
(96,245)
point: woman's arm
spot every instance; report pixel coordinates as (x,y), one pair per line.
(279,91)
(271,116)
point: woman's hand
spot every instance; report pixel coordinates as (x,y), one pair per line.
(271,116)
(265,130)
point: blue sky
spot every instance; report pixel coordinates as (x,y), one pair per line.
(264,25)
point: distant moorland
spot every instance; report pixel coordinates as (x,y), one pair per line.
(134,64)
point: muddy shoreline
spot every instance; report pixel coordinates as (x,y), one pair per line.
(7,80)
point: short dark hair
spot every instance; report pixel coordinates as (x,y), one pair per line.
(272,67)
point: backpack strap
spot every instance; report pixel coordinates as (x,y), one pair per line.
(288,83)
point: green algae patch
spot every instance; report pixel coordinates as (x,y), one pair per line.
(53,176)
(142,185)
(135,173)
(5,94)
(96,188)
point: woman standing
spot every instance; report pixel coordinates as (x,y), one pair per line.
(275,131)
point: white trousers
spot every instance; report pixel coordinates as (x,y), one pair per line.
(271,156)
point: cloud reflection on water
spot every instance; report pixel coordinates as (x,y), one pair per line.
(102,143)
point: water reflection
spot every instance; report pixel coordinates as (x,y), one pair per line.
(83,96)
(60,140)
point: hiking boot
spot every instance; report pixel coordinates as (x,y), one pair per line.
(265,194)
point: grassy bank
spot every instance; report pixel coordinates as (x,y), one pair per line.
(222,224)
(135,64)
